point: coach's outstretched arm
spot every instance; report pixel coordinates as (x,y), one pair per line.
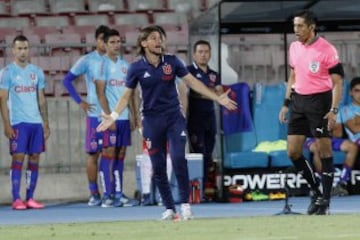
(107,120)
(199,87)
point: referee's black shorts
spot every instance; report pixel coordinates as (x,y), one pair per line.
(307,114)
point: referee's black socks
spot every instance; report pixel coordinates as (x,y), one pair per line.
(303,166)
(327,176)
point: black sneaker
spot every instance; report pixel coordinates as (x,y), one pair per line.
(314,207)
(323,207)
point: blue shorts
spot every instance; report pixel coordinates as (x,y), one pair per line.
(29,139)
(121,137)
(93,139)
(335,143)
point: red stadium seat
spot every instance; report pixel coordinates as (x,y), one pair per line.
(49,87)
(4,10)
(178,39)
(20,7)
(17,23)
(40,31)
(131,38)
(8,31)
(67,6)
(91,20)
(146,5)
(52,21)
(131,21)
(60,44)
(83,31)
(106,6)
(171,21)
(181,6)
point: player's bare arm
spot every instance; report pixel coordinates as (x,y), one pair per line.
(183,97)
(219,90)
(8,130)
(133,110)
(100,91)
(285,108)
(44,112)
(199,87)
(353,124)
(336,97)
(137,104)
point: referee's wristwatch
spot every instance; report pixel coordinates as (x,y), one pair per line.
(334,110)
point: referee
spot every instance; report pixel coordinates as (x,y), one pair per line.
(313,94)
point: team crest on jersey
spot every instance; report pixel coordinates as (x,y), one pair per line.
(167,69)
(124,70)
(148,143)
(314,67)
(212,77)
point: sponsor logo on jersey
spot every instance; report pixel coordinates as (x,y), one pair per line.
(115,82)
(24,89)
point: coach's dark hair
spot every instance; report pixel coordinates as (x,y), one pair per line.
(201,42)
(308,15)
(355,81)
(20,38)
(144,34)
(110,33)
(102,29)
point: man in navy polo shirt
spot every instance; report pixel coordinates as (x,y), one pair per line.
(162,118)
(201,119)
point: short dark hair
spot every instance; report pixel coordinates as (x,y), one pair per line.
(110,33)
(355,81)
(308,15)
(20,38)
(102,29)
(201,42)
